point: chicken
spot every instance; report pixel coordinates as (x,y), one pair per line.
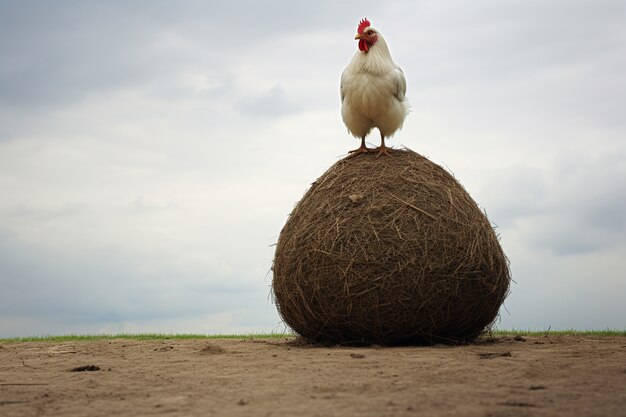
(373,89)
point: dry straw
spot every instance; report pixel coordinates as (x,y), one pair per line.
(388,250)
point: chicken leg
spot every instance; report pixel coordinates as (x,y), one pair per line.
(360,149)
(382,149)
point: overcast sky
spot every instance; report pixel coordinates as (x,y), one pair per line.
(150,151)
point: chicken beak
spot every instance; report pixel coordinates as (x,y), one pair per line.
(358,36)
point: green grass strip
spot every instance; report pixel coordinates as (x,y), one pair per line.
(141,336)
(166,336)
(566,332)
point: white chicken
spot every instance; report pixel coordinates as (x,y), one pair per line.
(373,89)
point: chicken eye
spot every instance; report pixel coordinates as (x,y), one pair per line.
(369,32)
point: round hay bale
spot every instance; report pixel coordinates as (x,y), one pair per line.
(388,250)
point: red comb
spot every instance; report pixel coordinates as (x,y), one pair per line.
(362,25)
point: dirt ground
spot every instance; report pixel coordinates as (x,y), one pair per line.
(537,376)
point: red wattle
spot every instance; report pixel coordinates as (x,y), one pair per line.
(363,45)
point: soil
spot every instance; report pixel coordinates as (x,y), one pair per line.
(530,376)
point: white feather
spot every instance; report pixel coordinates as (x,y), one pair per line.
(373,92)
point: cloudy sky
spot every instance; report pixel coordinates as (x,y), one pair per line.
(150,151)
